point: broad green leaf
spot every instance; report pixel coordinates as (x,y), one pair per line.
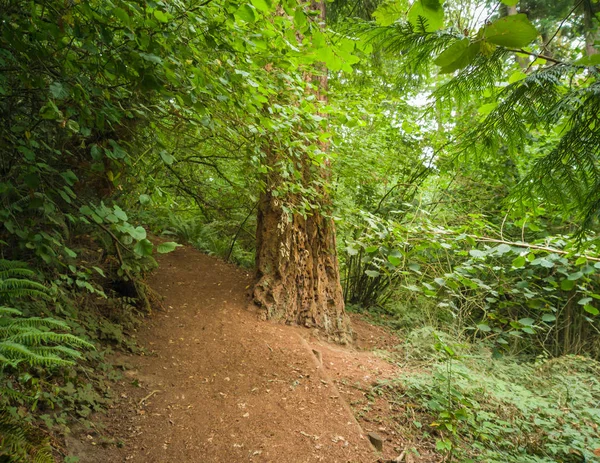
(575,276)
(166,157)
(137,233)
(567,285)
(145,199)
(372,273)
(395,261)
(584,300)
(476,253)
(591,309)
(246,13)
(511,31)
(526,321)
(519,262)
(151,58)
(452,53)
(463,60)
(161,16)
(484,327)
(143,248)
(510,2)
(429,13)
(121,14)
(388,13)
(591,60)
(261,5)
(548,317)
(169,246)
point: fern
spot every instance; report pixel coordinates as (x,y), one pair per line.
(21,443)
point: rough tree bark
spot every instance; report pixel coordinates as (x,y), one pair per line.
(298,279)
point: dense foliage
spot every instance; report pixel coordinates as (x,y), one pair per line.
(457,146)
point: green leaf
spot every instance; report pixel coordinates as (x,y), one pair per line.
(591,309)
(526,321)
(463,60)
(372,273)
(584,300)
(145,199)
(395,261)
(169,246)
(143,248)
(137,233)
(519,262)
(261,5)
(388,13)
(476,253)
(591,60)
(429,12)
(548,317)
(121,14)
(167,158)
(452,53)
(150,57)
(511,31)
(120,213)
(575,276)
(567,285)
(484,327)
(161,16)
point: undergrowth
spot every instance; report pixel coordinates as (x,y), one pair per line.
(475,408)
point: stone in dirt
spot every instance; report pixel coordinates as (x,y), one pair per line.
(376,440)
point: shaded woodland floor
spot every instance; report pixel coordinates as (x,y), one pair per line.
(218,385)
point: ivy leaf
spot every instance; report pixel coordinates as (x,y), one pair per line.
(511,31)
(169,246)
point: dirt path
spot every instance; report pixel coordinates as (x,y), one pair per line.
(222,386)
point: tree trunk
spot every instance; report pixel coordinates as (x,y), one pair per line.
(297,270)
(298,279)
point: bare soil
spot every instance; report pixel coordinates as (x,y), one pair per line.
(218,385)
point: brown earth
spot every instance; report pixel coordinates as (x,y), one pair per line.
(218,385)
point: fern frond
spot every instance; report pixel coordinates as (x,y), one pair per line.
(19,353)
(18,287)
(36,322)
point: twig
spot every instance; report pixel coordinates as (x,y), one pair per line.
(147,397)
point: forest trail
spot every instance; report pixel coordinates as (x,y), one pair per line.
(219,385)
